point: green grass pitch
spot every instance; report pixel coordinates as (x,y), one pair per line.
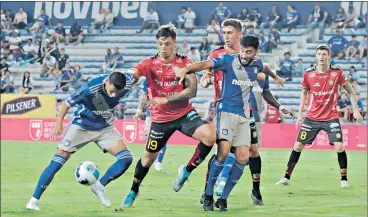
(314,190)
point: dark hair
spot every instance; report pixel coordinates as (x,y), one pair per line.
(324,47)
(60,22)
(192,48)
(250,27)
(4,58)
(62,49)
(24,78)
(300,59)
(250,41)
(165,31)
(30,39)
(232,22)
(77,66)
(117,79)
(353,67)
(353,36)
(292,7)
(287,53)
(183,8)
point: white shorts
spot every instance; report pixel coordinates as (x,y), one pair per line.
(75,137)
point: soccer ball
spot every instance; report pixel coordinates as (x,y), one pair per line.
(87,173)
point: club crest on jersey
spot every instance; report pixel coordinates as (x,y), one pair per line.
(330,82)
(129,131)
(255,70)
(35,129)
(225,131)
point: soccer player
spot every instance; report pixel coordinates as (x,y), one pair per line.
(147,122)
(92,122)
(170,109)
(322,83)
(232,125)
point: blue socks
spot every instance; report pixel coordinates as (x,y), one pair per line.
(235,173)
(48,174)
(227,167)
(124,160)
(215,170)
(161,154)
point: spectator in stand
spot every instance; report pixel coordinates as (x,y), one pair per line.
(292,19)
(59,33)
(98,23)
(184,49)
(353,73)
(27,83)
(273,39)
(254,18)
(272,19)
(351,18)
(46,20)
(108,60)
(151,21)
(344,106)
(360,105)
(221,13)
(364,22)
(352,48)
(117,59)
(244,18)
(50,66)
(77,78)
(262,42)
(204,49)
(9,17)
(49,48)
(317,19)
(39,31)
(7,82)
(76,33)
(338,19)
(67,77)
(363,47)
(299,67)
(109,20)
(286,67)
(337,43)
(189,17)
(194,54)
(14,45)
(63,59)
(4,66)
(181,19)
(2,18)
(213,31)
(251,31)
(29,50)
(20,19)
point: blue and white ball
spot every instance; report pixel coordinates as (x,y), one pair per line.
(87,173)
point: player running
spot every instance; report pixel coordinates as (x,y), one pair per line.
(170,109)
(240,74)
(147,122)
(92,122)
(322,82)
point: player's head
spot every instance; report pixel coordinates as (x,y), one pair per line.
(115,84)
(166,40)
(248,49)
(323,55)
(232,31)
(354,38)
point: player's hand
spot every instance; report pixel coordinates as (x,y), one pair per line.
(288,111)
(279,81)
(157,101)
(56,132)
(299,121)
(138,115)
(358,117)
(180,73)
(205,81)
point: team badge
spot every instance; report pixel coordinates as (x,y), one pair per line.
(330,82)
(67,143)
(129,131)
(338,135)
(225,131)
(254,134)
(35,129)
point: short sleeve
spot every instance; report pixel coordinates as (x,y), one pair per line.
(220,63)
(305,83)
(77,97)
(343,80)
(142,67)
(188,61)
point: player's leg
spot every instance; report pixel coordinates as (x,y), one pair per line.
(192,125)
(158,136)
(306,136)
(160,158)
(73,139)
(334,132)
(207,175)
(111,141)
(224,175)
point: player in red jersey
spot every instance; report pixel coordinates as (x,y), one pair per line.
(322,83)
(170,109)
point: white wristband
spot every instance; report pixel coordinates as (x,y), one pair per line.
(281,108)
(139,110)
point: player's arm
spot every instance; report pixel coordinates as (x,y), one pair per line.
(353,101)
(189,92)
(267,70)
(63,110)
(141,103)
(303,100)
(270,99)
(135,75)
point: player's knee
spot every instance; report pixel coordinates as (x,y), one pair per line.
(242,156)
(148,158)
(298,147)
(63,153)
(339,147)
(209,137)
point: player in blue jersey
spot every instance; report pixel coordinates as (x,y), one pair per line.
(240,74)
(147,122)
(93,121)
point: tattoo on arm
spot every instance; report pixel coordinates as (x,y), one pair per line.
(142,101)
(189,92)
(270,99)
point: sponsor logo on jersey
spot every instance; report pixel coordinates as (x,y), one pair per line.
(316,85)
(243,82)
(35,129)
(103,113)
(129,131)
